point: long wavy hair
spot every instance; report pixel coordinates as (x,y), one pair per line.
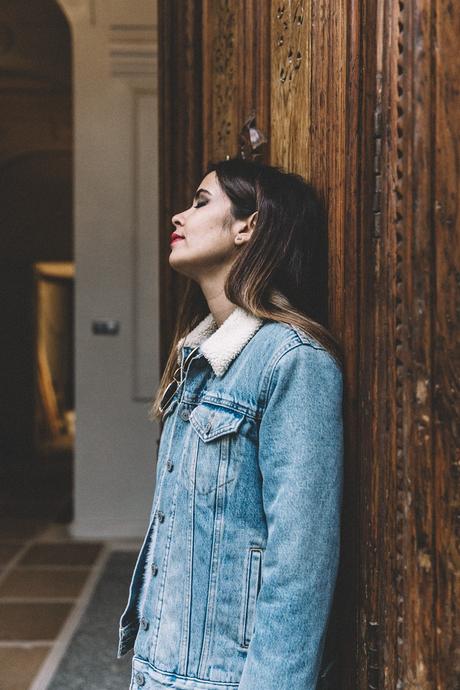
(280,274)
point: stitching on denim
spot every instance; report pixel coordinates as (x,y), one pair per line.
(265,397)
(243,621)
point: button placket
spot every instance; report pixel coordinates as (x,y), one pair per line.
(185,414)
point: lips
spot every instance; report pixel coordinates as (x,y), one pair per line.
(175,237)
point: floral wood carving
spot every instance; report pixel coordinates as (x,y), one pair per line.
(290,18)
(223,54)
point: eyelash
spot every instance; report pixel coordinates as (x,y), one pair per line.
(200,203)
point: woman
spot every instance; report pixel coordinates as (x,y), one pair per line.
(234,583)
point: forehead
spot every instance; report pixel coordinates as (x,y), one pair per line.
(211,183)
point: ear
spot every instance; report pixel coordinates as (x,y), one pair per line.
(252,220)
(245,228)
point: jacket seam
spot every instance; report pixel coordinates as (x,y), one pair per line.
(271,367)
(182,676)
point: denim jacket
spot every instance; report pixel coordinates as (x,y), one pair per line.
(234,582)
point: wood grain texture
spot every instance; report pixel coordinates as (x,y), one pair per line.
(309,126)
(256,50)
(362,254)
(410,572)
(445,19)
(291,85)
(315,116)
(222,24)
(361,98)
(180,138)
(235,74)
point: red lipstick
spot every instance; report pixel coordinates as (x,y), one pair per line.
(175,237)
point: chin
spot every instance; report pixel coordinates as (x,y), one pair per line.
(178,265)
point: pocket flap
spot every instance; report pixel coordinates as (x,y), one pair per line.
(211,421)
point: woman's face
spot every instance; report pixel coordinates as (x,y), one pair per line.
(208,231)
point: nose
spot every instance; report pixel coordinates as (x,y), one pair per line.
(177,219)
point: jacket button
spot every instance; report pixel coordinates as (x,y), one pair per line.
(144,623)
(154,569)
(139,678)
(161,516)
(169,466)
(185,414)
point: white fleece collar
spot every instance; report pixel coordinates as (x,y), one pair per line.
(220,345)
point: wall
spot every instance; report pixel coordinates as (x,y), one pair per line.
(115,174)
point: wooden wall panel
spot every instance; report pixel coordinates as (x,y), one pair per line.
(445,268)
(314,131)
(223,47)
(411,567)
(308,108)
(236,73)
(180,137)
(362,99)
(291,75)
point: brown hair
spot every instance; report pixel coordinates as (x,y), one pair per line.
(280,273)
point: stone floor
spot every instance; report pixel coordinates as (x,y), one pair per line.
(43,571)
(42,575)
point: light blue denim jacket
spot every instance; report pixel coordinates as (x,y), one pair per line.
(234,583)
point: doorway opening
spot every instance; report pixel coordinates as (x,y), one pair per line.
(36,200)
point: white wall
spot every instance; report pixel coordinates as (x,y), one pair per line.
(116,240)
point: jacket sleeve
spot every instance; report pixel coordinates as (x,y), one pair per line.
(301,462)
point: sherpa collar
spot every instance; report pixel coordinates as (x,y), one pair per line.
(220,345)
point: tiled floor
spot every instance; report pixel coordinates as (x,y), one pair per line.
(43,572)
(20,664)
(42,569)
(46,576)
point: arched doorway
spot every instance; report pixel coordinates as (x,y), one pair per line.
(36,220)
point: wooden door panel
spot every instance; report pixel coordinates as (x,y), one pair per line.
(236,73)
(362,99)
(445,272)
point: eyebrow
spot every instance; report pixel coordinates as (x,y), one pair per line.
(200,191)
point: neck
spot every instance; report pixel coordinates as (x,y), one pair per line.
(218,303)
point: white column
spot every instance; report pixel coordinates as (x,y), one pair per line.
(116,254)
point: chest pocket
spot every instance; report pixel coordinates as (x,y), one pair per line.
(211,461)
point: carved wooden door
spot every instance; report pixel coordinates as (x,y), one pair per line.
(363,100)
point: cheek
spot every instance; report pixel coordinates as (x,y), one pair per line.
(212,246)
(208,234)
(209,248)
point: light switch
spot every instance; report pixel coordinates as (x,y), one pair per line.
(105,327)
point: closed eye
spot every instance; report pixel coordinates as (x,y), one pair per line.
(200,203)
